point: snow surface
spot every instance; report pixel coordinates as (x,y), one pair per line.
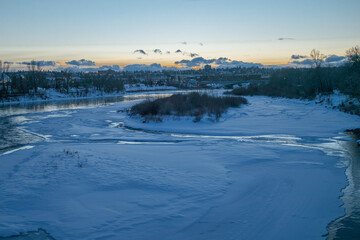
(272,169)
(263,116)
(336,99)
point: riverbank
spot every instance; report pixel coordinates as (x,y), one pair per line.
(280,115)
(52,95)
(356,134)
(271,168)
(334,100)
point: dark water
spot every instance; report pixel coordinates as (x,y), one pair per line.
(348,226)
(12,116)
(12,136)
(23,108)
(33,107)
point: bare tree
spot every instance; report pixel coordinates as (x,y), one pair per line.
(67,78)
(34,75)
(4,68)
(317,57)
(353,56)
(32,66)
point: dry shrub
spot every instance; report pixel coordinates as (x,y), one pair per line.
(192,104)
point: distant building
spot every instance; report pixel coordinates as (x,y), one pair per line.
(207,68)
(106,72)
(5,78)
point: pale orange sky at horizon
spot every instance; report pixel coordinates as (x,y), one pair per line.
(110,32)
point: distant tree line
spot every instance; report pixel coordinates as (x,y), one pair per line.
(35,79)
(308,82)
(285,82)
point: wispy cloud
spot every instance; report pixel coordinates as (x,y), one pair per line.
(140,51)
(187,53)
(284,39)
(157,51)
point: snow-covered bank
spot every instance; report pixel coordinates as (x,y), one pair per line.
(142,87)
(52,95)
(339,101)
(263,116)
(272,169)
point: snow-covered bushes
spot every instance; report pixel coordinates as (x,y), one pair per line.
(192,104)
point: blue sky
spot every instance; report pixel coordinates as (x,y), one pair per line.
(109,31)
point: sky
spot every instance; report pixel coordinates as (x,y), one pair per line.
(124,32)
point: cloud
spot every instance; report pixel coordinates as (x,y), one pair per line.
(221,62)
(107,67)
(81,62)
(331,60)
(282,39)
(88,69)
(140,51)
(158,51)
(295,57)
(306,62)
(184,43)
(168,52)
(40,63)
(196,62)
(201,44)
(187,54)
(335,59)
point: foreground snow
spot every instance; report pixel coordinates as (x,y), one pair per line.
(270,170)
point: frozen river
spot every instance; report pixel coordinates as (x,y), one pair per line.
(274,169)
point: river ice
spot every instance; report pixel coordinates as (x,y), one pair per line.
(272,169)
